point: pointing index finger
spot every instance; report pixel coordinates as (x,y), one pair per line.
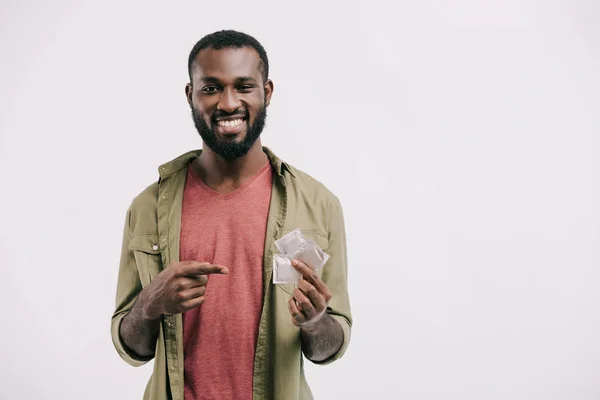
(197,268)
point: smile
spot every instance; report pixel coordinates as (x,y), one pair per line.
(234,123)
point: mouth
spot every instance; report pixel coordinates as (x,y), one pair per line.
(230,125)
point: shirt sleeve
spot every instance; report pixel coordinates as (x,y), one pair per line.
(335,276)
(128,288)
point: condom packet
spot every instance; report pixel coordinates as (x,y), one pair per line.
(295,246)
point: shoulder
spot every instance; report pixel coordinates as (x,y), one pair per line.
(142,213)
(143,207)
(310,188)
(300,182)
(146,198)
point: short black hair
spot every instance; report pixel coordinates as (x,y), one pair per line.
(230,39)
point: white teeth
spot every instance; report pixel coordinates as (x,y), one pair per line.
(231,124)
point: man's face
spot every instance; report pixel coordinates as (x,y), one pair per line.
(229,99)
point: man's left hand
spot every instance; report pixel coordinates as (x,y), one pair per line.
(310,299)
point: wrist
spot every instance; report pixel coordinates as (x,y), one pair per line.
(146,310)
(316,325)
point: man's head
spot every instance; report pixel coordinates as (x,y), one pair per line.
(229,91)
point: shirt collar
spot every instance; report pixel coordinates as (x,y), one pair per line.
(185,159)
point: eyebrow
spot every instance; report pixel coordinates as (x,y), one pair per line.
(242,79)
(238,80)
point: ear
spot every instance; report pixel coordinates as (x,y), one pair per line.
(268,92)
(188,93)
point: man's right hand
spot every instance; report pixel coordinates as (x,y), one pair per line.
(177,289)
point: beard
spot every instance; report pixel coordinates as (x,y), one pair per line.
(225,149)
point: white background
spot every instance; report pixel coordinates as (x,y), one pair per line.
(461,137)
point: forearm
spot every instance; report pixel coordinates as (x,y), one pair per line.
(323,339)
(139,333)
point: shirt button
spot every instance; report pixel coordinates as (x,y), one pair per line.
(172,368)
(155,247)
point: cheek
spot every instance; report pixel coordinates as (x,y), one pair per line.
(199,112)
(204,106)
(255,109)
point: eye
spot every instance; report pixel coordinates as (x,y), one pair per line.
(245,88)
(209,89)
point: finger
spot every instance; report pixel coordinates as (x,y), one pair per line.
(193,303)
(188,282)
(302,267)
(195,281)
(313,295)
(190,294)
(193,268)
(311,276)
(297,316)
(304,304)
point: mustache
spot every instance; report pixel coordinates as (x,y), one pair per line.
(222,114)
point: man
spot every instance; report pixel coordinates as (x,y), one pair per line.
(195,287)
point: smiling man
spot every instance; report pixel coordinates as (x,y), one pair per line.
(195,287)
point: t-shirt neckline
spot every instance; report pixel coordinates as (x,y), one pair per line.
(237,191)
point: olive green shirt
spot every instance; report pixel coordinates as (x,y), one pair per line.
(151,242)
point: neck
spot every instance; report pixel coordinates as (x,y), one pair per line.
(214,170)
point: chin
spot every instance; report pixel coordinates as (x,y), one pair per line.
(232,138)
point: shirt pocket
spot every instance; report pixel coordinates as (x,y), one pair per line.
(320,238)
(147,256)
(315,235)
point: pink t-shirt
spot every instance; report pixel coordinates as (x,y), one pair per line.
(219,337)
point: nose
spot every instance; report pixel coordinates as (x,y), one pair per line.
(229,102)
